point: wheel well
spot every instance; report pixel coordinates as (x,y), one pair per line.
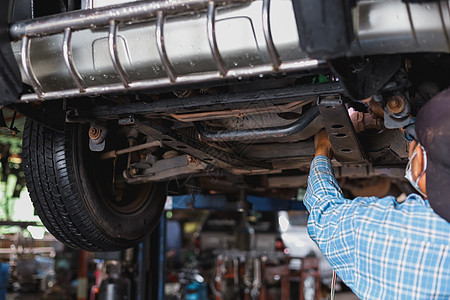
(49,114)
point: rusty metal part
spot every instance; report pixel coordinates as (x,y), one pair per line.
(396,112)
(115,153)
(364,121)
(170,154)
(376,108)
(213,115)
(95,133)
(396,104)
(166,169)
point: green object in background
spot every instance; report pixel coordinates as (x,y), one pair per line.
(15,142)
(6,201)
(320,78)
(15,203)
(15,208)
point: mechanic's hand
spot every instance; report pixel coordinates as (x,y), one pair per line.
(322,144)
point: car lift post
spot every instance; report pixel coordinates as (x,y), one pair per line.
(151,258)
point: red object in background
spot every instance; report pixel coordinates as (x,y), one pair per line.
(171,277)
(279,245)
(98,280)
(94,293)
(197,243)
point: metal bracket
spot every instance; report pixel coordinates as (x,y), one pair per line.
(344,142)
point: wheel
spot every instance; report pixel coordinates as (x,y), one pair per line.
(82,200)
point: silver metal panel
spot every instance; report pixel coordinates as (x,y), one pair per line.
(98,17)
(391,26)
(238,74)
(198,41)
(186,43)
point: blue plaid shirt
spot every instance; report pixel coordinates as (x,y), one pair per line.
(380,248)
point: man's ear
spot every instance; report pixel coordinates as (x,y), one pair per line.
(417,164)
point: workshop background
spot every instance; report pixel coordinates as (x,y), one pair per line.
(205,247)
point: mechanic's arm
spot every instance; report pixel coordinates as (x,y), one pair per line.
(330,222)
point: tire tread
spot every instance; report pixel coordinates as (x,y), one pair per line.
(54,193)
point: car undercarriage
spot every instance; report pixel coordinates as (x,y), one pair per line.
(218,96)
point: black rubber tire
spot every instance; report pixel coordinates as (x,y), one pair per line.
(66,190)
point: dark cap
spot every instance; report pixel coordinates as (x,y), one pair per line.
(433,133)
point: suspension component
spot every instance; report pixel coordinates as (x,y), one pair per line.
(396,104)
(396,112)
(97,134)
(364,121)
(166,169)
(115,153)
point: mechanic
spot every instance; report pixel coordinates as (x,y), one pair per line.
(380,248)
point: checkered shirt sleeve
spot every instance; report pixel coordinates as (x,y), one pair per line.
(380,248)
